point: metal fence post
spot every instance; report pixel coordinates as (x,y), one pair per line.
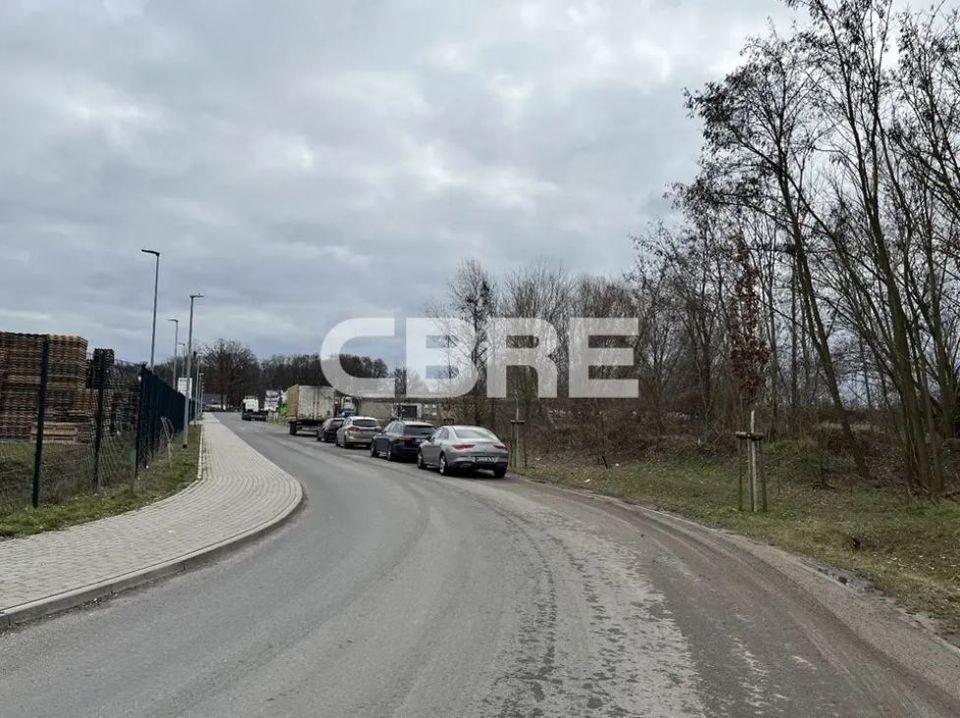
(150,435)
(99,372)
(138,444)
(41,416)
(152,427)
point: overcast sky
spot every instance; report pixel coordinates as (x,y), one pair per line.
(304,161)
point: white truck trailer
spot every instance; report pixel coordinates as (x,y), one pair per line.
(309,406)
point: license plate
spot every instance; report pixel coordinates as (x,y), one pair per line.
(486,459)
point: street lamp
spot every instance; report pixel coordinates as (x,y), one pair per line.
(176,345)
(156,284)
(186,403)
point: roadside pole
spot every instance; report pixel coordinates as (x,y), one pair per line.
(156,286)
(176,347)
(196,390)
(186,398)
(100,377)
(748,462)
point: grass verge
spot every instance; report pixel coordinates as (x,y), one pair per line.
(908,549)
(160,480)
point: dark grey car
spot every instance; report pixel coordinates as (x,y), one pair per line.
(400,440)
(464,448)
(328,432)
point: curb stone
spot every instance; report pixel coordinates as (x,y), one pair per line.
(67,600)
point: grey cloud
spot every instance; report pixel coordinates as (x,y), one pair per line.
(302,162)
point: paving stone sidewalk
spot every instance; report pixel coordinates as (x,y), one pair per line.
(241,495)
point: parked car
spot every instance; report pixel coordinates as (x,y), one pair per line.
(462,448)
(400,440)
(328,430)
(357,431)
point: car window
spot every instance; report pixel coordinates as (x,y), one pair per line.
(475,433)
(418,429)
(365,423)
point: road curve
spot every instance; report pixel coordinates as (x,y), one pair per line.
(400,593)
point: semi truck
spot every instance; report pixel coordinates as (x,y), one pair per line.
(309,406)
(251,410)
(271,401)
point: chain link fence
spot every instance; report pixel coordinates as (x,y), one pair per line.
(73,423)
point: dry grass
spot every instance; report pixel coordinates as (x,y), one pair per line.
(162,479)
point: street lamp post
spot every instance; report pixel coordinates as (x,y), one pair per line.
(196,389)
(200,378)
(176,346)
(186,403)
(156,284)
(183,353)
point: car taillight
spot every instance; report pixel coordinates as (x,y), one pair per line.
(462,447)
(354,428)
(500,446)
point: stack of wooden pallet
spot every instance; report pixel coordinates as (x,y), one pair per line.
(69,414)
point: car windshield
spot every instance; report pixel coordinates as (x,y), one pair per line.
(475,433)
(366,423)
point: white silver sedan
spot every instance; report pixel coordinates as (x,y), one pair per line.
(464,448)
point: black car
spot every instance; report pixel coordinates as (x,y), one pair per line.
(400,440)
(328,431)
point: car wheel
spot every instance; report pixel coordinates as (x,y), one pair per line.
(444,467)
(390,454)
(420,462)
(499,473)
(373,450)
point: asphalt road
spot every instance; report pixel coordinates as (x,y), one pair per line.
(396,592)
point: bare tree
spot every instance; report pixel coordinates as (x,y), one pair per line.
(231,369)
